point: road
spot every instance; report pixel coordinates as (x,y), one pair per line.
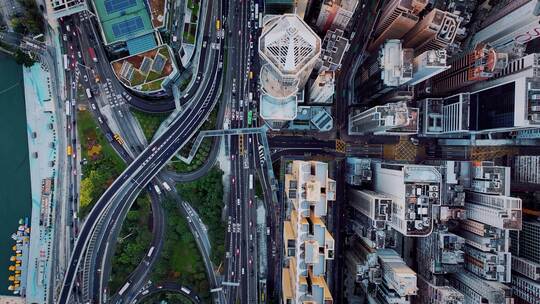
(241,274)
(153,158)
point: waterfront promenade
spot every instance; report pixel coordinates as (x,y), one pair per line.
(42,149)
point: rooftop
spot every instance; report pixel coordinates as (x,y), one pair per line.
(122,20)
(145,71)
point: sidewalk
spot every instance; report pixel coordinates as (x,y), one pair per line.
(42,144)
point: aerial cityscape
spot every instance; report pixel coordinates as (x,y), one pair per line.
(270,151)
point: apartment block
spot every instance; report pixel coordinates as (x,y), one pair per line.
(487,265)
(526,289)
(499,211)
(308,244)
(429,293)
(376,206)
(427,65)
(480,291)
(322,89)
(336,14)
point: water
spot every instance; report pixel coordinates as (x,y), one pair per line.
(15,193)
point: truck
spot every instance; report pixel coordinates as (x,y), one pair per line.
(251,182)
(166,186)
(92,54)
(88,93)
(68,108)
(158,191)
(66,64)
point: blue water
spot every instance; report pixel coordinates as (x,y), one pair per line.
(15,193)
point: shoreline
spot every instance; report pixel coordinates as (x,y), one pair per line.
(42,153)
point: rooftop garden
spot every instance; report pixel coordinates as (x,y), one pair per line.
(145,71)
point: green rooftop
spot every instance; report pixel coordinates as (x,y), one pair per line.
(122,20)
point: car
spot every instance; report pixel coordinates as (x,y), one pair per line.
(71,47)
(250,202)
(79,54)
(74,172)
(250,223)
(85,78)
(250,261)
(64,37)
(237,251)
(233,180)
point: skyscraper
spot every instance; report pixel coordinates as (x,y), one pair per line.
(435,31)
(397,18)
(289,50)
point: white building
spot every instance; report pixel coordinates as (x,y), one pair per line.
(390,119)
(511,27)
(336,14)
(322,89)
(427,65)
(289,50)
(414,190)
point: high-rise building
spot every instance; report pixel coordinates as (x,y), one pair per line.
(397,18)
(479,291)
(358,171)
(429,293)
(336,14)
(526,289)
(289,50)
(498,211)
(62,8)
(514,24)
(517,89)
(414,190)
(376,206)
(526,169)
(525,243)
(390,119)
(308,244)
(334,46)
(278,7)
(393,68)
(397,276)
(427,65)
(479,64)
(435,31)
(322,88)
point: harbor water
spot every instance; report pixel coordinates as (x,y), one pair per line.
(15,193)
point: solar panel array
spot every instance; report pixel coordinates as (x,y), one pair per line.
(128,27)
(113,6)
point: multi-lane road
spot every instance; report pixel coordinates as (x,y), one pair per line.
(153,158)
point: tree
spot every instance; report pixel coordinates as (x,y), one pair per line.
(87,189)
(23,58)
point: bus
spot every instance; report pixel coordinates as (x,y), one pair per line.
(256,10)
(118,138)
(249,118)
(68,108)
(185,290)
(124,288)
(251,182)
(150,251)
(69,150)
(66,66)
(218,24)
(92,54)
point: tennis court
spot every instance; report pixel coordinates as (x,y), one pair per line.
(126,27)
(113,6)
(122,20)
